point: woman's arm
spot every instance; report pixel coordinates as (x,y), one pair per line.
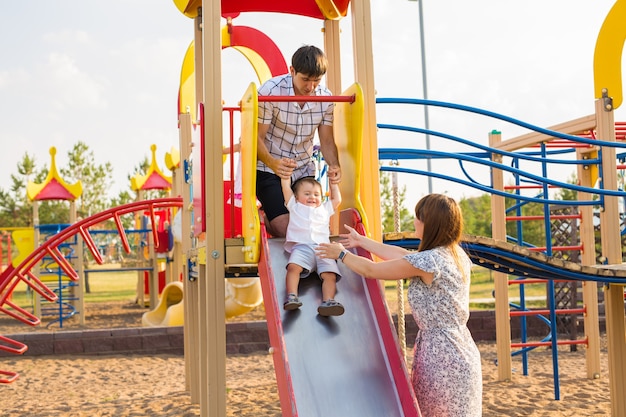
(353,239)
(391,270)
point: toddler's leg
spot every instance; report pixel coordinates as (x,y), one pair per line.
(329,306)
(292,280)
(329,285)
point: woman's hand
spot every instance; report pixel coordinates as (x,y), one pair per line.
(352,239)
(329,250)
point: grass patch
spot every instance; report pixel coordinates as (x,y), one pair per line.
(483,285)
(481,291)
(112,286)
(103,286)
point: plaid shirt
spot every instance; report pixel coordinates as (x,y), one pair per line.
(292,129)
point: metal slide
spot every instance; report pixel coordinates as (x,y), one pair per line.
(343,366)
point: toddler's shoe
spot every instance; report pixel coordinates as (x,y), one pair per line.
(292,302)
(330,308)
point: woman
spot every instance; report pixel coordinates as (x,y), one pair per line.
(446,373)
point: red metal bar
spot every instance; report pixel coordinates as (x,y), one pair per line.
(310,99)
(122,232)
(552,217)
(41,288)
(91,245)
(12,376)
(231,208)
(559,342)
(12,346)
(63,263)
(153,223)
(556,248)
(535,281)
(34,282)
(25,316)
(546,311)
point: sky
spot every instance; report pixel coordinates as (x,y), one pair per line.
(106,72)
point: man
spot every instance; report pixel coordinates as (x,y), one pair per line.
(286,133)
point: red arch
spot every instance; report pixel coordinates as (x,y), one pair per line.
(260,43)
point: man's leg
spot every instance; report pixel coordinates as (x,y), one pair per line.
(278,226)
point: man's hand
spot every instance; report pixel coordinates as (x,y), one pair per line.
(283,167)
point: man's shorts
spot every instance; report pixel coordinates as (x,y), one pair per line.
(270,194)
(304,256)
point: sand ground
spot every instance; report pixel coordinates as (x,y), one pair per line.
(154,386)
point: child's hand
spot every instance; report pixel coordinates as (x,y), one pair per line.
(284,167)
(334,174)
(329,250)
(351,239)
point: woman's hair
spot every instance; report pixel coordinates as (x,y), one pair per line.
(309,60)
(443,221)
(443,224)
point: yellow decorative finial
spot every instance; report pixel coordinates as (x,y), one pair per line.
(53,187)
(154,178)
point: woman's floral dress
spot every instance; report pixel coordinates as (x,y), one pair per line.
(446,372)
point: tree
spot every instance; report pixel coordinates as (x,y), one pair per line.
(477,215)
(96,179)
(15,209)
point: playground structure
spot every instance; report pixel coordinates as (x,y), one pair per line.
(211,257)
(49,259)
(69,300)
(68,292)
(158,254)
(170,309)
(151,253)
(23,273)
(15,244)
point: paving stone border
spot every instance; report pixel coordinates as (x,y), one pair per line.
(241,337)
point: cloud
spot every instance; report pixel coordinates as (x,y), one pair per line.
(67,37)
(69,87)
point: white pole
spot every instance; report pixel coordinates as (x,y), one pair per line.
(424,89)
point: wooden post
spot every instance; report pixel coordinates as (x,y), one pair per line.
(212,281)
(503,319)
(190,288)
(587,178)
(612,251)
(364,75)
